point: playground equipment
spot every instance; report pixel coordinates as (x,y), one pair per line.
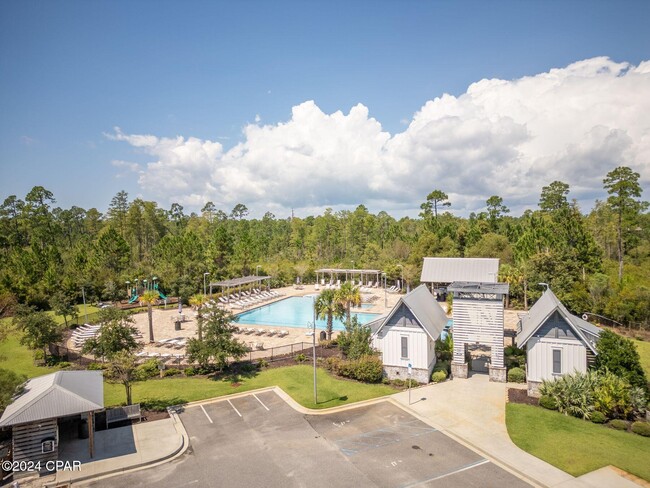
(135,292)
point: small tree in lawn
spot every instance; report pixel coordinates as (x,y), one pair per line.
(355,340)
(116,334)
(198,301)
(64,304)
(123,369)
(328,307)
(150,298)
(218,343)
(39,329)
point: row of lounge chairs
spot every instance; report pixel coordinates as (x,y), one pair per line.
(369,287)
(165,357)
(84,332)
(252,299)
(260,331)
(176,342)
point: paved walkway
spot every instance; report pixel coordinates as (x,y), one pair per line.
(125,448)
(473,411)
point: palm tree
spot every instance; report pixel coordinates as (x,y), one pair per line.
(328,307)
(150,297)
(198,301)
(347,296)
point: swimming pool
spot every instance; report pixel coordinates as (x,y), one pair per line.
(293,312)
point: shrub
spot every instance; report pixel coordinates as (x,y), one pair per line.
(368,369)
(248,367)
(547,402)
(612,395)
(618,424)
(355,341)
(397,382)
(148,369)
(572,393)
(620,356)
(191,371)
(301,358)
(262,363)
(333,364)
(516,375)
(38,355)
(641,428)
(96,366)
(442,366)
(439,376)
(64,364)
(172,372)
(445,355)
(159,405)
(598,417)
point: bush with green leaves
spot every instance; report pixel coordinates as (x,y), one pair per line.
(172,372)
(445,348)
(10,385)
(355,341)
(598,417)
(148,369)
(641,428)
(517,375)
(301,358)
(262,363)
(618,424)
(191,371)
(442,366)
(439,376)
(611,395)
(619,355)
(368,369)
(572,393)
(97,366)
(547,402)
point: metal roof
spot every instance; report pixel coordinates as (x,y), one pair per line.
(424,307)
(448,270)
(240,281)
(472,287)
(543,309)
(56,395)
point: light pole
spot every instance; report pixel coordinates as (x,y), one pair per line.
(83,294)
(205,291)
(313,339)
(402,276)
(385,295)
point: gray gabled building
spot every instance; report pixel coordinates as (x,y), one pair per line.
(556,341)
(407,335)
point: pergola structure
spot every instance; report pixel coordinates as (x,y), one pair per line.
(362,273)
(238,283)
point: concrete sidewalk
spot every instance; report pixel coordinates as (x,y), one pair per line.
(472,411)
(124,449)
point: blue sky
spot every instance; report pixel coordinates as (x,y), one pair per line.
(72,71)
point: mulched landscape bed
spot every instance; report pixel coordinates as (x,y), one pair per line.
(520,395)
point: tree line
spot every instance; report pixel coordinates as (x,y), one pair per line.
(596,262)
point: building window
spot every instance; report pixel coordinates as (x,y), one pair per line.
(557,361)
(405,347)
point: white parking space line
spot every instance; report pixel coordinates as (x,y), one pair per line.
(267,408)
(233,407)
(206,414)
(460,470)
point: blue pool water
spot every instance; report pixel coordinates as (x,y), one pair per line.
(293,312)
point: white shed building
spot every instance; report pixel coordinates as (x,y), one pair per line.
(407,335)
(556,341)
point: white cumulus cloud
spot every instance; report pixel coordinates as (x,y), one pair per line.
(501,137)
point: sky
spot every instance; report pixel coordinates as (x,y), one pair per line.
(308,105)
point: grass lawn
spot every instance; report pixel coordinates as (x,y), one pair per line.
(573,445)
(644,351)
(297,381)
(18,358)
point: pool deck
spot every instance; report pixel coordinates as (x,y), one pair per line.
(163,322)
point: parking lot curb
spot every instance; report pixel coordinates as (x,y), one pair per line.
(179,451)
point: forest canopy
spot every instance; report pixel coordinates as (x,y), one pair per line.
(598,262)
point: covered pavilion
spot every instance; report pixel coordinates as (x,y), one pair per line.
(239,282)
(334,273)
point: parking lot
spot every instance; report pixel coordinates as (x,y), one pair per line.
(259,440)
